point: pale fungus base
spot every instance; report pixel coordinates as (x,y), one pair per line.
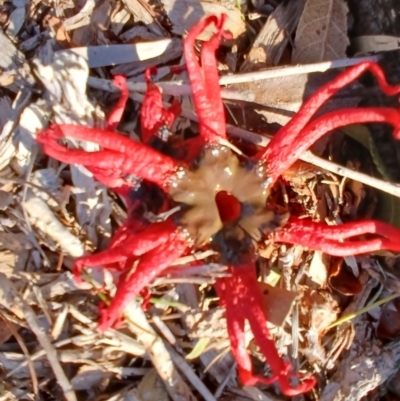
(234,233)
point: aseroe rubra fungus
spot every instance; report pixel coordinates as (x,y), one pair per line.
(201,179)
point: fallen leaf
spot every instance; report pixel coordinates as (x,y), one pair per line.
(199,348)
(151,389)
(318,270)
(58,28)
(342,279)
(90,377)
(184,14)
(102,56)
(273,38)
(92,32)
(5,332)
(277,303)
(5,199)
(395,387)
(143,12)
(322,32)
(15,242)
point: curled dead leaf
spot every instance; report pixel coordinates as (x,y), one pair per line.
(342,279)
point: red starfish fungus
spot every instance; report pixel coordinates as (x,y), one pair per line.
(204,187)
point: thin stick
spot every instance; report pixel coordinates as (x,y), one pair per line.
(388,187)
(24,349)
(293,70)
(180,88)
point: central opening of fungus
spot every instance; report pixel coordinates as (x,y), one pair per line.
(229,208)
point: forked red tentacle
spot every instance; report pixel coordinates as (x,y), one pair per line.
(243,301)
(204,79)
(153,114)
(134,279)
(282,159)
(115,116)
(126,245)
(319,236)
(281,152)
(121,157)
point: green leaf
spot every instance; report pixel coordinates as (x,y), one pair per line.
(199,348)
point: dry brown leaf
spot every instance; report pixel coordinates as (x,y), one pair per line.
(273,38)
(118,20)
(151,388)
(5,331)
(209,325)
(277,303)
(12,262)
(65,80)
(322,32)
(5,199)
(143,13)
(90,377)
(184,14)
(318,270)
(7,79)
(342,279)
(58,29)
(15,242)
(91,33)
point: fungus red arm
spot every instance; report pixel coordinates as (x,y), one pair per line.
(128,244)
(153,115)
(319,236)
(298,135)
(243,301)
(172,244)
(121,156)
(204,79)
(115,116)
